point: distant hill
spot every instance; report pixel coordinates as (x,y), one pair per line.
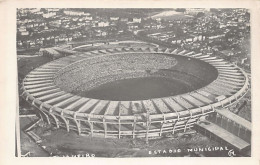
(121,12)
(170,15)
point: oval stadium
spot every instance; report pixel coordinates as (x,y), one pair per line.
(132,92)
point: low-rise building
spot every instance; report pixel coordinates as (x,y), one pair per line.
(73,13)
(49,14)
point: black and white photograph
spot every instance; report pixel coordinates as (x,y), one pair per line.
(133,82)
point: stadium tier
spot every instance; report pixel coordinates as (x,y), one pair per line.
(54,90)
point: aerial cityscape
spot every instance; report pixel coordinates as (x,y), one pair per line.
(134,82)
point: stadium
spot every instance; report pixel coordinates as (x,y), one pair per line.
(67,92)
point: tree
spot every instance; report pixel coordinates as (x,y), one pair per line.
(200,14)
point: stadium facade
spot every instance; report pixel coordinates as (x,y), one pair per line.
(50,89)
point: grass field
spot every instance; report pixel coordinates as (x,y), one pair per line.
(138,89)
(166,79)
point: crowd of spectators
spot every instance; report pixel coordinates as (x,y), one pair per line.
(101,69)
(101,66)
